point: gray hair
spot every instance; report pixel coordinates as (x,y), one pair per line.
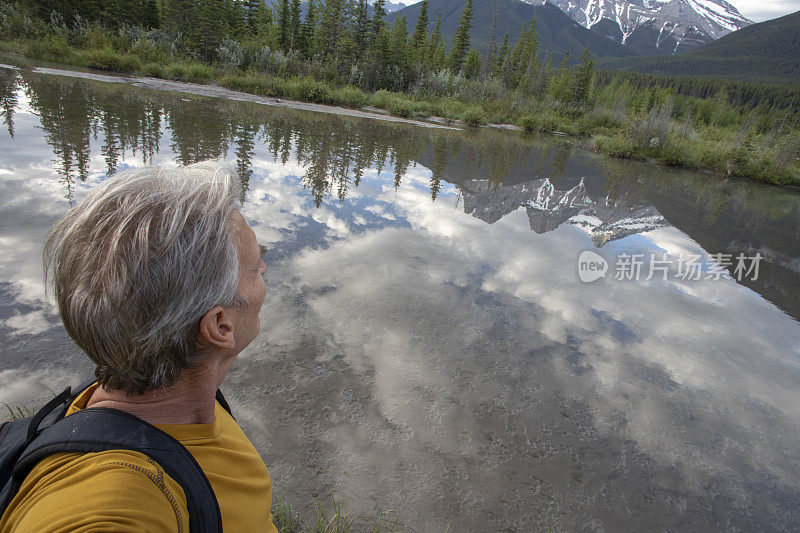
(139,262)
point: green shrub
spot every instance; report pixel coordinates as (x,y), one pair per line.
(307,89)
(12,47)
(175,71)
(595,122)
(381,99)
(54,49)
(350,96)
(254,85)
(679,152)
(147,52)
(153,70)
(198,73)
(529,123)
(107,59)
(401,107)
(618,146)
(97,37)
(14,23)
(550,121)
(191,72)
(474,116)
(422,109)
(448,108)
(713,155)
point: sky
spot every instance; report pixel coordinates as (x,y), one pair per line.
(761,10)
(755,10)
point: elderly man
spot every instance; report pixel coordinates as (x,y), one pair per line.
(158,279)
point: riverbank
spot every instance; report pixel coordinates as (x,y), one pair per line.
(652,135)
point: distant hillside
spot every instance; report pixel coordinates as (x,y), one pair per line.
(558,33)
(764,52)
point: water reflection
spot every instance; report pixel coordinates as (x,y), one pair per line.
(427,345)
(8,97)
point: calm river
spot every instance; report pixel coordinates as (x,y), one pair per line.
(432,345)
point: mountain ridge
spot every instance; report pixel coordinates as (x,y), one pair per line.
(766,51)
(643,27)
(656,27)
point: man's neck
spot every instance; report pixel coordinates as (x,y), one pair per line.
(189,401)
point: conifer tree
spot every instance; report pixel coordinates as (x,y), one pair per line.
(380,50)
(461,39)
(378,12)
(294,24)
(251,11)
(472,64)
(149,15)
(399,54)
(309,29)
(361,25)
(488,67)
(283,24)
(420,37)
(529,62)
(346,47)
(511,66)
(561,84)
(212,27)
(435,57)
(180,16)
(329,29)
(522,64)
(264,18)
(583,77)
(236,22)
(501,57)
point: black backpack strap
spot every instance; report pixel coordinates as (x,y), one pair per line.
(58,405)
(100,429)
(15,436)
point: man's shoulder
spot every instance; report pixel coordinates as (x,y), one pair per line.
(121,489)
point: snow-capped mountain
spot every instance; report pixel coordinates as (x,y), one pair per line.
(653,27)
(548,207)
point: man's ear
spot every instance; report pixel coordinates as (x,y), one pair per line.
(216,329)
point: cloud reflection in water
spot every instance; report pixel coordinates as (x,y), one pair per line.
(416,358)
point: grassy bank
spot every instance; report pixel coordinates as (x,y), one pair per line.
(335,519)
(616,119)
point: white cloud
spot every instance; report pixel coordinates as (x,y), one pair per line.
(761,10)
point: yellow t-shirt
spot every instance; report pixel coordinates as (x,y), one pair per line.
(124,491)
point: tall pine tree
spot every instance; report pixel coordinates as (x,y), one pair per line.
(419,41)
(435,58)
(294,24)
(212,27)
(583,77)
(283,24)
(461,39)
(309,30)
(361,27)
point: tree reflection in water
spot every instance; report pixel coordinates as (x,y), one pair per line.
(496,172)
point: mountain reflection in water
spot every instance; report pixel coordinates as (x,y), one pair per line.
(427,346)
